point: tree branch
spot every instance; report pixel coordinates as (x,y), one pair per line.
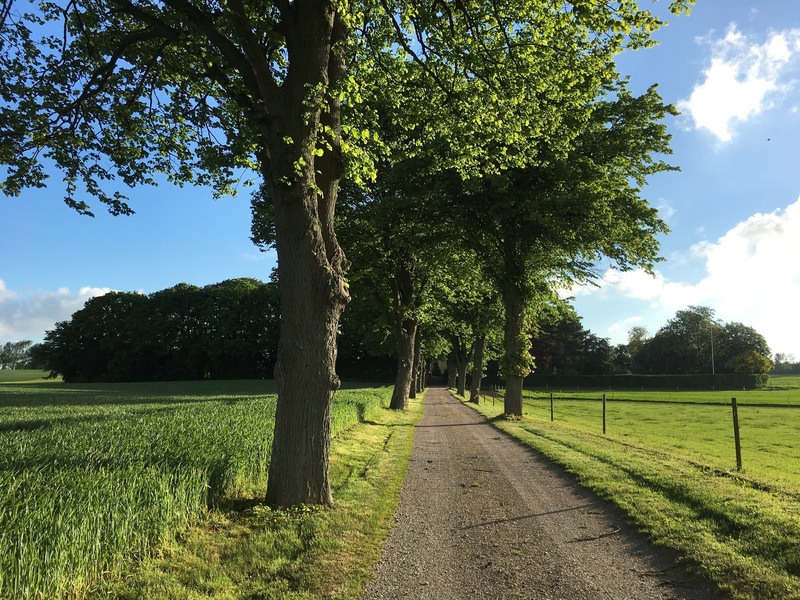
(232,54)
(253,50)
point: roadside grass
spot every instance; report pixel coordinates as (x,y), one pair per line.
(94,478)
(670,469)
(247,550)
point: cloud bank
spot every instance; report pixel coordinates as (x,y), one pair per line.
(28,316)
(752,277)
(743,79)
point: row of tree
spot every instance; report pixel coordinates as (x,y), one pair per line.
(230,330)
(786,364)
(692,342)
(504,123)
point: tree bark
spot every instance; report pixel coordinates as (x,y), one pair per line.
(417,387)
(452,370)
(477,370)
(462,355)
(311,265)
(406,331)
(461,384)
(516,346)
(406,336)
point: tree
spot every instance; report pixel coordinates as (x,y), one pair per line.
(694,342)
(15,355)
(749,362)
(564,347)
(741,349)
(598,356)
(637,336)
(391,249)
(683,345)
(122,89)
(550,222)
(786,363)
(559,345)
(225,330)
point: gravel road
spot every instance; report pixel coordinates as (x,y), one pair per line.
(481,516)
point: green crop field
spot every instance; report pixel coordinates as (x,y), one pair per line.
(92,476)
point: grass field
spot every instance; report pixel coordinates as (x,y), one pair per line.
(95,476)
(671,466)
(770,436)
(782,390)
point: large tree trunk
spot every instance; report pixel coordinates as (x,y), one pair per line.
(406,331)
(417,387)
(477,370)
(462,355)
(461,384)
(452,370)
(311,265)
(516,349)
(404,381)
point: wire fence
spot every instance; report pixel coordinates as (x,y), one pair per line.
(760,439)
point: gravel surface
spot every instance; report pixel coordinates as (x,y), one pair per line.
(482,516)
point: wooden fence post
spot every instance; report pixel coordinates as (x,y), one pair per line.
(736,434)
(551,407)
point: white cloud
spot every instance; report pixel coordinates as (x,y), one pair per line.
(27,316)
(743,79)
(665,210)
(620,329)
(5,293)
(752,277)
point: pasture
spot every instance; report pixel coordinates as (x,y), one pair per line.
(699,432)
(669,462)
(782,390)
(95,476)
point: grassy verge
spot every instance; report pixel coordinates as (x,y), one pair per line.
(743,536)
(245,550)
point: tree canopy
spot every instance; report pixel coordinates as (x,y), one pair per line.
(228,330)
(16,355)
(695,341)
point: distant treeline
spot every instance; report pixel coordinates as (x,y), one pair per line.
(228,330)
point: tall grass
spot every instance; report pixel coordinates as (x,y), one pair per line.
(94,476)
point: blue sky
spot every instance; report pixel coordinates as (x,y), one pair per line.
(732,68)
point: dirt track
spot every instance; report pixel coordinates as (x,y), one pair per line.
(481,516)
